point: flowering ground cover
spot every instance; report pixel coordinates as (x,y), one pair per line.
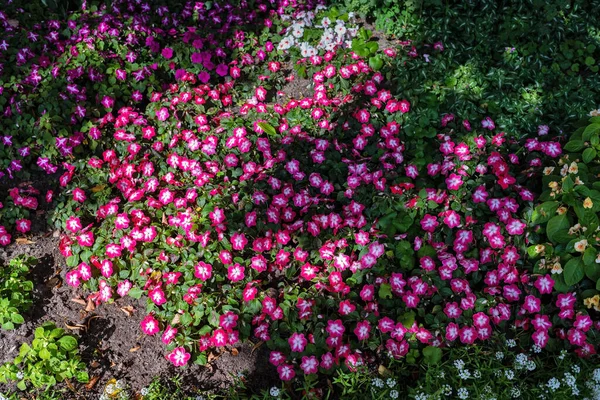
(274,177)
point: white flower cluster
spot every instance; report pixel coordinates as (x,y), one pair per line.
(274,391)
(523,362)
(593,385)
(335,34)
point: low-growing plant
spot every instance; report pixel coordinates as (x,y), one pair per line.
(15,291)
(566,241)
(52,357)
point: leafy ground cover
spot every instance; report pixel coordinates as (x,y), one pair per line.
(360,209)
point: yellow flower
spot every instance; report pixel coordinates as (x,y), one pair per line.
(588,203)
(573,168)
(548,170)
(561,210)
(592,302)
(556,268)
(553,185)
(595,113)
(581,245)
(539,248)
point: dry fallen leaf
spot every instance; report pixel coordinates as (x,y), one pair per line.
(235,351)
(92,382)
(175,319)
(14,23)
(94,364)
(90,320)
(22,241)
(98,188)
(79,301)
(128,310)
(70,385)
(75,326)
(90,306)
(135,349)
(256,346)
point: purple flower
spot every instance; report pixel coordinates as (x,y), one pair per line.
(222,69)
(167,53)
(204,76)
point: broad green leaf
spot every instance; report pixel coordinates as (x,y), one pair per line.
(573,271)
(67,342)
(432,355)
(589,256)
(268,128)
(574,145)
(558,228)
(135,292)
(17,318)
(588,155)
(592,271)
(385,291)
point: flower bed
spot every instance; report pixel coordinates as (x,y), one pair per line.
(352,227)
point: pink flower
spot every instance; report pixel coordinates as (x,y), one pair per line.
(297,342)
(454,182)
(362,330)
(310,365)
(429,223)
(168,335)
(235,273)
(157,296)
(23,225)
(73,278)
(179,357)
(238,241)
(544,284)
(150,325)
(162,114)
(286,372)
(73,224)
(203,271)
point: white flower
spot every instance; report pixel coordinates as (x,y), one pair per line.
(391,382)
(394,394)
(340,30)
(553,384)
(421,396)
(569,380)
(325,22)
(464,374)
(20,375)
(576,369)
(596,375)
(144,391)
(297,30)
(531,365)
(515,393)
(509,374)
(511,343)
(499,355)
(477,374)
(274,391)
(536,349)
(377,382)
(463,393)
(459,364)
(447,390)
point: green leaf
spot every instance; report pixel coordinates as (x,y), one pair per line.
(592,271)
(67,342)
(17,318)
(268,128)
(588,155)
(8,326)
(590,130)
(376,63)
(135,292)
(589,257)
(385,291)
(558,228)
(574,146)
(21,385)
(432,355)
(573,271)
(45,354)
